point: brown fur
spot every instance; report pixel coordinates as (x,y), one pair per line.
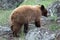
(23,15)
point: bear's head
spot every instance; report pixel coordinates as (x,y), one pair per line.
(44,11)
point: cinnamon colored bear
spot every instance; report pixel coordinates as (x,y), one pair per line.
(24,14)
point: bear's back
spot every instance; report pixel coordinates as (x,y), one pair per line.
(25,13)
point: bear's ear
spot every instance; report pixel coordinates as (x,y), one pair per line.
(42,7)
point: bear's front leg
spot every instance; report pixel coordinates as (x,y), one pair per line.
(37,22)
(25,27)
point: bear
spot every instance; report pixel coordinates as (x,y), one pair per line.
(24,14)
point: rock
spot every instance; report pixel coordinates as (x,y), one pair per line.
(53,8)
(9,4)
(58,19)
(43,20)
(40,34)
(5,33)
(4,30)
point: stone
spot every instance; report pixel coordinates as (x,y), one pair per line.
(40,34)
(10,4)
(54,8)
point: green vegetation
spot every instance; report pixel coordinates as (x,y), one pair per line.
(35,2)
(4,16)
(54,27)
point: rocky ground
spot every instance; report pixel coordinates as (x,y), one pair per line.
(45,33)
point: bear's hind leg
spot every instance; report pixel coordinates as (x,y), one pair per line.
(15,29)
(14,32)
